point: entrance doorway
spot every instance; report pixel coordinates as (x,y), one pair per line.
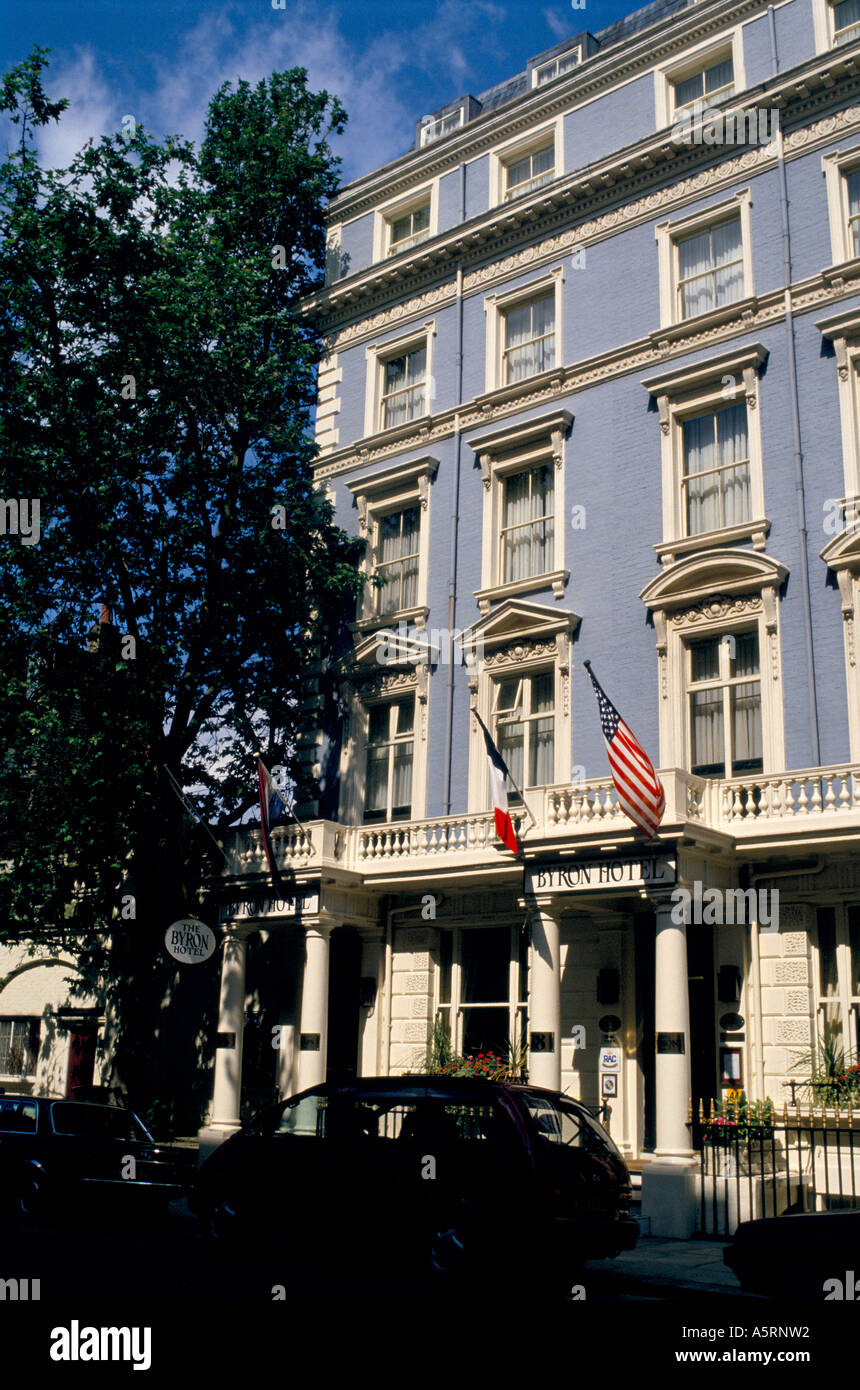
(82,1058)
(344,999)
(703,1043)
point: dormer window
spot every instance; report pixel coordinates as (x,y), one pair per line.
(443,125)
(565,62)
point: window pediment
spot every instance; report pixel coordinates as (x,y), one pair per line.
(713,572)
(390,483)
(516,620)
(843,552)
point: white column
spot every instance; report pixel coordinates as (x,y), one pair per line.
(313,1030)
(672,1026)
(227,1092)
(545,995)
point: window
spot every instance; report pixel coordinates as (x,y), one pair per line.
(524,720)
(710,268)
(404,391)
(530,171)
(716,470)
(837,977)
(852,189)
(388,787)
(96,1122)
(724,691)
(396,554)
(710,84)
(19,1046)
(528,543)
(529,339)
(846,21)
(443,125)
(482,988)
(842,181)
(548,72)
(18,1117)
(711,446)
(393,511)
(408,229)
(523,544)
(705,262)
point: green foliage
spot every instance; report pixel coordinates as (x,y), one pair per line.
(156,378)
(740,1119)
(442,1060)
(831,1075)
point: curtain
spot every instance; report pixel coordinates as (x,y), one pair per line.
(404,387)
(746,723)
(728,262)
(516,514)
(703,503)
(720,75)
(706,718)
(710,268)
(694,267)
(853,183)
(401,794)
(711,442)
(733,453)
(530,339)
(510,741)
(528,523)
(542,743)
(846,16)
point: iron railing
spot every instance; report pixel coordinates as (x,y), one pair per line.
(765,1163)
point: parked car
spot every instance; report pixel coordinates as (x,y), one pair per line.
(795,1256)
(64,1151)
(458,1175)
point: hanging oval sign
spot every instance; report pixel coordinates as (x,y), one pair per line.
(731,1023)
(189,941)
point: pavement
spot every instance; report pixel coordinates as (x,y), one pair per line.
(693,1265)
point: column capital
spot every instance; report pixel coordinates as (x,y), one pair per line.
(661,899)
(544,902)
(239,931)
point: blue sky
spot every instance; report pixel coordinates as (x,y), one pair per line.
(390,63)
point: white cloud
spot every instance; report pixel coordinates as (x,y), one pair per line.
(559,21)
(94,110)
(222,46)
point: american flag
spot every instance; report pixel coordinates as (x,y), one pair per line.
(640,791)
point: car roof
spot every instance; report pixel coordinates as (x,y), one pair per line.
(63,1100)
(427,1084)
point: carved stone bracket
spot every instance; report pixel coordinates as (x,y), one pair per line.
(662,647)
(771,611)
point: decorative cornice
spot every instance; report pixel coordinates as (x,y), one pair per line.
(599,73)
(586,190)
(556,386)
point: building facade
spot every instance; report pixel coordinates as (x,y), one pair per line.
(592,390)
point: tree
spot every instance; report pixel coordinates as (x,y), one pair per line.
(156,380)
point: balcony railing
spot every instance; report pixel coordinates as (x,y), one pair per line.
(806,801)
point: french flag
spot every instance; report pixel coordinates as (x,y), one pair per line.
(499,775)
(272,812)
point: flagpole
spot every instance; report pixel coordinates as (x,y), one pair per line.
(289,809)
(191,811)
(510,774)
